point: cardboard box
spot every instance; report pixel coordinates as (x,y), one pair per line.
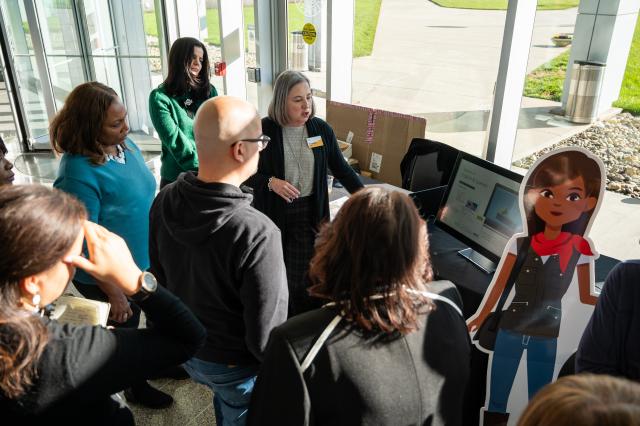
(380,138)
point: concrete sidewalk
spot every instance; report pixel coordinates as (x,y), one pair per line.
(442,64)
(432,59)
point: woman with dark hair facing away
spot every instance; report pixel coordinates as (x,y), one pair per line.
(62,374)
(6,175)
(390,347)
(291,183)
(105,170)
(585,400)
(173,105)
(560,196)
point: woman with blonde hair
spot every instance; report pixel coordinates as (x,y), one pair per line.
(585,400)
(291,183)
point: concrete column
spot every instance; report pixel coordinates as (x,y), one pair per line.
(603,33)
(340,19)
(516,41)
(232,36)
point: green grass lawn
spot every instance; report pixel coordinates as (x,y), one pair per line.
(546,81)
(502,4)
(366,21)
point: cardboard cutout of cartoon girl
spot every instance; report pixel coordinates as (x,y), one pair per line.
(559,199)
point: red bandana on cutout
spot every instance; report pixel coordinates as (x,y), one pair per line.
(563,246)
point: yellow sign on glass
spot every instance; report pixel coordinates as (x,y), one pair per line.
(309,33)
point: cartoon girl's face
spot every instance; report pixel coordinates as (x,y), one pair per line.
(563,203)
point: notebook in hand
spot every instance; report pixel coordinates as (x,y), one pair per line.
(80,311)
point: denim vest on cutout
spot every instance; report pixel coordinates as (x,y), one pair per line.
(536,309)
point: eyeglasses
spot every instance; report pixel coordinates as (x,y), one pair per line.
(263,140)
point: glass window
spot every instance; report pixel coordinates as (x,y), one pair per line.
(307,46)
(24,63)
(426,60)
(212,41)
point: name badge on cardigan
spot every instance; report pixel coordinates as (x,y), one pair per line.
(315,142)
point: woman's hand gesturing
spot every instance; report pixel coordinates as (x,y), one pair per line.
(284,189)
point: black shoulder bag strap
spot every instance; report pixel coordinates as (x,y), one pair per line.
(523,249)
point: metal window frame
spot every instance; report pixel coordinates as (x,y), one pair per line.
(11,83)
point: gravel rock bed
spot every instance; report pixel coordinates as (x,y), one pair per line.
(617,142)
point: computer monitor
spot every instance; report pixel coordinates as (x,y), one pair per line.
(480,208)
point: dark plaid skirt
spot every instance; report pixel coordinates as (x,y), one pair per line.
(299,236)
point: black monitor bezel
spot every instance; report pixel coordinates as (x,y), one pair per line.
(509,174)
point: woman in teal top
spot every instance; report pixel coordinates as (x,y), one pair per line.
(105,170)
(174,103)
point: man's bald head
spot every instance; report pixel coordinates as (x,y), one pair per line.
(219,123)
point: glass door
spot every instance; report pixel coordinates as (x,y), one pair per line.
(122,45)
(62,47)
(307,45)
(54,45)
(17,33)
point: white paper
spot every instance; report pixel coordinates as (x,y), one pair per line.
(376,162)
(349,137)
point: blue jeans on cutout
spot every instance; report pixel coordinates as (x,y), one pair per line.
(231,385)
(541,359)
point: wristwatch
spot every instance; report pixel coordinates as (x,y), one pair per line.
(148,286)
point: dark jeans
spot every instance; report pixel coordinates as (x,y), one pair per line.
(232,386)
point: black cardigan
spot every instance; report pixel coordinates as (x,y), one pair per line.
(416,379)
(272,164)
(82,366)
(611,341)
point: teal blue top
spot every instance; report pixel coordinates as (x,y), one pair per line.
(117,196)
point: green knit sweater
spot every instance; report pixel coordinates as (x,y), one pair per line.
(173,120)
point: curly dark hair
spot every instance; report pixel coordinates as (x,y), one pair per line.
(77,126)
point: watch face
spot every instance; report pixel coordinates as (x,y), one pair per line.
(149,282)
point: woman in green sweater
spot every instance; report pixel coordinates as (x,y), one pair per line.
(174,103)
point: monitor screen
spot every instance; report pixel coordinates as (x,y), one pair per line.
(480,207)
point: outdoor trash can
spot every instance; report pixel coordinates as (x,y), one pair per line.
(584,91)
